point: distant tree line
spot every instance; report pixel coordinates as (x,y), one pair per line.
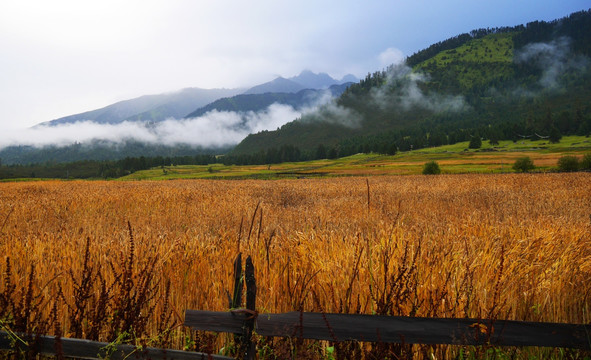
(105,169)
(100,151)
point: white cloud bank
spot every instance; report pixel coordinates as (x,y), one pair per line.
(213,129)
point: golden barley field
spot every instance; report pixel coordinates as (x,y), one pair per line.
(511,246)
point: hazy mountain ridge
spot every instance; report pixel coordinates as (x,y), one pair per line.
(258,102)
(277,85)
(305,80)
(310,80)
(177,104)
(149,107)
(177,107)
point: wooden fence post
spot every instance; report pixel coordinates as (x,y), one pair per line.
(236,300)
(247,347)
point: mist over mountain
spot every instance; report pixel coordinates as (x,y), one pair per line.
(149,107)
(161,124)
(211,131)
(498,83)
(310,80)
(306,98)
(178,105)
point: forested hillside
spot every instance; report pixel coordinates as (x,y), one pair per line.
(526,81)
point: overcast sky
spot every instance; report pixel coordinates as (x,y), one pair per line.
(61,57)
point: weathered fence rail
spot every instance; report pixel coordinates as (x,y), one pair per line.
(397,329)
(86,349)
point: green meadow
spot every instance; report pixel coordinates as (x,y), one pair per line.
(453,159)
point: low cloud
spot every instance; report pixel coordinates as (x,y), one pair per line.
(553,58)
(213,129)
(327,110)
(333,113)
(391,56)
(402,90)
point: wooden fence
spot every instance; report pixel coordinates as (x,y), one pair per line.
(379,329)
(320,326)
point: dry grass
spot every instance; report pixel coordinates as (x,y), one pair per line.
(512,246)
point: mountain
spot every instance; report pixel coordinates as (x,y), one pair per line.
(159,107)
(279,85)
(258,102)
(148,111)
(183,102)
(310,80)
(349,78)
(305,80)
(150,107)
(501,83)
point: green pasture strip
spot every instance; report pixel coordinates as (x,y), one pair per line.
(453,159)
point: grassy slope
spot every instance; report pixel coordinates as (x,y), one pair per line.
(495,51)
(453,159)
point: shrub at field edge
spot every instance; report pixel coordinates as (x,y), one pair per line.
(568,163)
(523,164)
(431,168)
(585,163)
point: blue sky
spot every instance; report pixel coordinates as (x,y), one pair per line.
(63,57)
